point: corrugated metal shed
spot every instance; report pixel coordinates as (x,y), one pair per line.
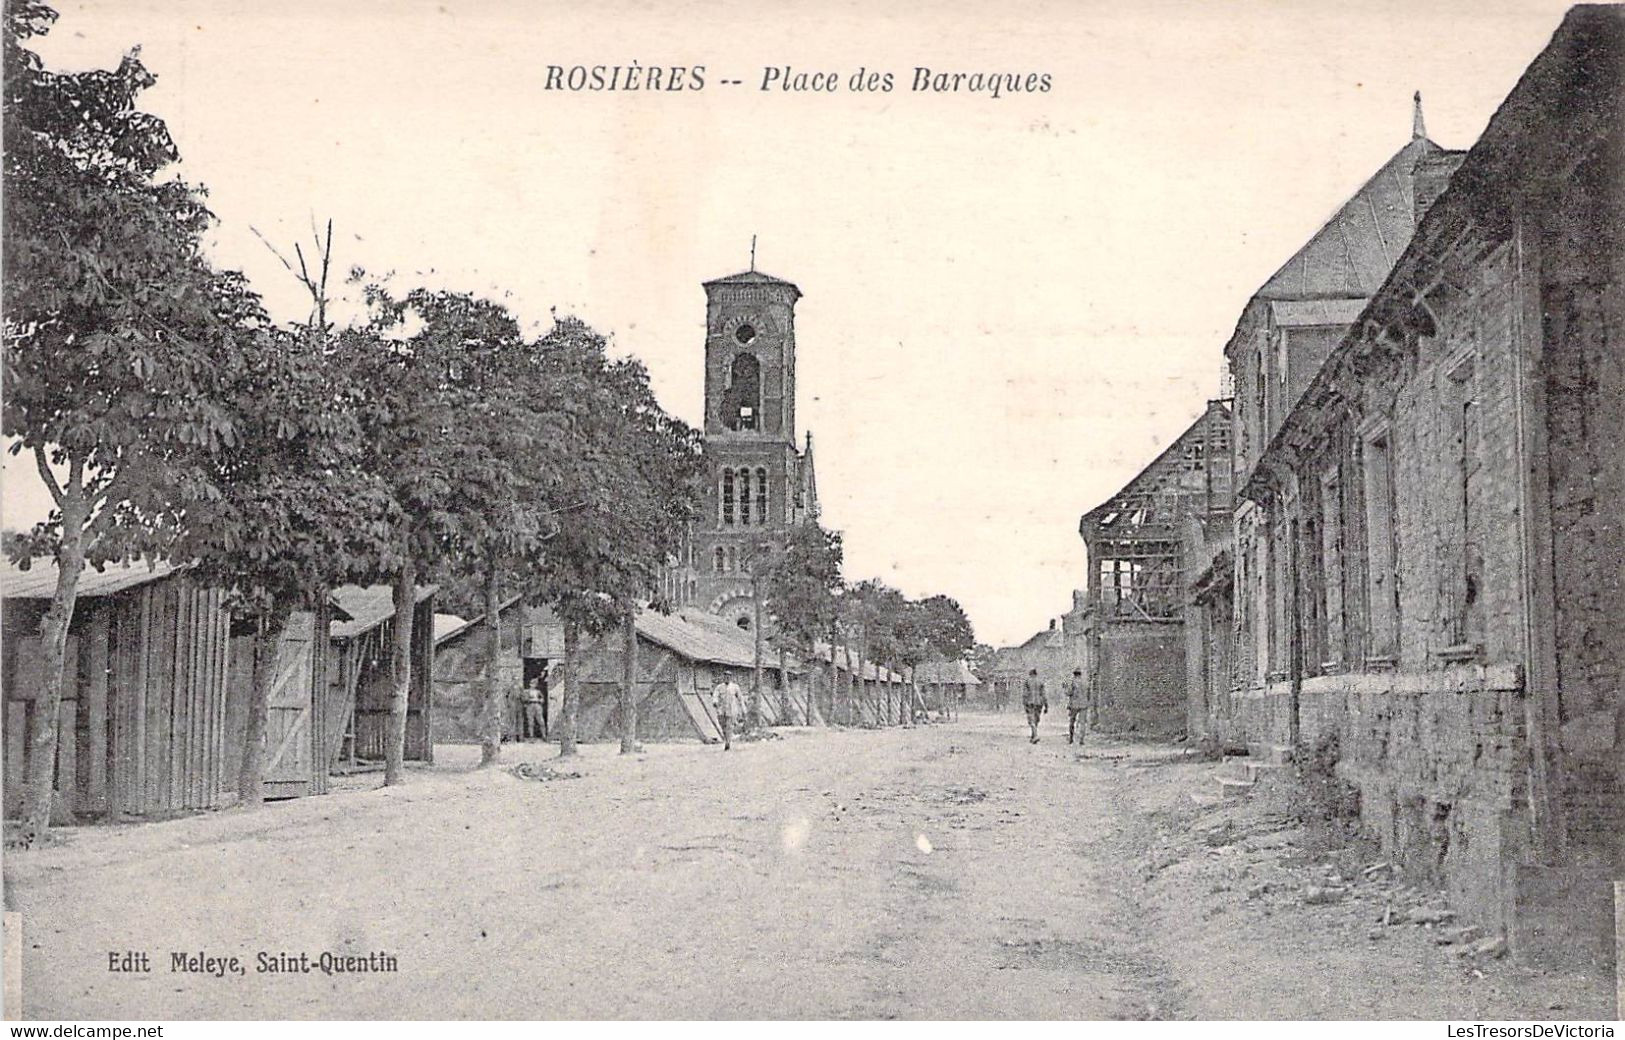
(450,626)
(39,580)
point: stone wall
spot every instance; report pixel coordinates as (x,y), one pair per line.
(1140,679)
(1582,298)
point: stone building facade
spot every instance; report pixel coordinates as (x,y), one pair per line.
(1281,342)
(1430,565)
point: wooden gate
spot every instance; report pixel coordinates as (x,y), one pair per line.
(290,746)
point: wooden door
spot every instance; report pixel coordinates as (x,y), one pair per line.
(290,747)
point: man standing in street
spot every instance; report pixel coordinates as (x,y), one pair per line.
(1034,700)
(1077,707)
(725,698)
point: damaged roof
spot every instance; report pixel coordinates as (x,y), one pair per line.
(368,606)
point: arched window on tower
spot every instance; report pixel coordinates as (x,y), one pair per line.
(727,496)
(720,561)
(744,497)
(762,516)
(742,400)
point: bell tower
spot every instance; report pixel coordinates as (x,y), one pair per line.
(759,483)
(750,358)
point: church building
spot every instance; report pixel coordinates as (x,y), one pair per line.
(759,481)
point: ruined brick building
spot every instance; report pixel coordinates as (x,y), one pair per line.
(760,483)
(1171,602)
(1131,615)
(1428,555)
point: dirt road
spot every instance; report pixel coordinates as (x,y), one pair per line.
(940,872)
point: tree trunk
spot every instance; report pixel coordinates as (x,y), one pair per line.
(567,709)
(629,678)
(268,632)
(405,600)
(756,681)
(835,714)
(852,689)
(491,740)
(39,787)
(784,690)
(865,694)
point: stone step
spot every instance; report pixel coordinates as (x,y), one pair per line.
(1232,789)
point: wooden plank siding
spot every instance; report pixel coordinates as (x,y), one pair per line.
(365,661)
(139,732)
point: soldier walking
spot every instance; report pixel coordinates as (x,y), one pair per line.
(1077,707)
(1035,701)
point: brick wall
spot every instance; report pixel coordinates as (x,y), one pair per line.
(1141,679)
(1582,295)
(1434,741)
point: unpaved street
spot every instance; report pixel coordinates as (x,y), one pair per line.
(783,878)
(946,871)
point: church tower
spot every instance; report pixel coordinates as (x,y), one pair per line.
(759,484)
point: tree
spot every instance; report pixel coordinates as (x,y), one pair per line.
(630,484)
(878,610)
(117,335)
(503,458)
(420,367)
(947,631)
(980,658)
(294,514)
(800,589)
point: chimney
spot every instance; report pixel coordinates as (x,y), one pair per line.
(1052,624)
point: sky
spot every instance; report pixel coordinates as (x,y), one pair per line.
(1011,304)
